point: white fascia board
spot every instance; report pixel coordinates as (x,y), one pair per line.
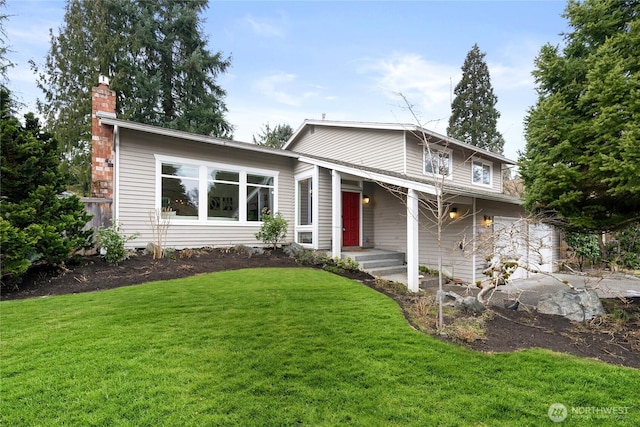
(373,176)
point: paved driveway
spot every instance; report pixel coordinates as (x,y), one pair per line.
(611,285)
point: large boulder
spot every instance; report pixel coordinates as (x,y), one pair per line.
(574,304)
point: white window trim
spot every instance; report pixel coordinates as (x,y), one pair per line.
(484,163)
(433,148)
(202,190)
(313,227)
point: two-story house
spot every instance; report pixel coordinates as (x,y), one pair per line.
(341,185)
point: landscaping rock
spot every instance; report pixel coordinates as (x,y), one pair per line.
(575,304)
(293,249)
(449,298)
(472,305)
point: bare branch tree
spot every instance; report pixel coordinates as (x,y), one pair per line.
(159,220)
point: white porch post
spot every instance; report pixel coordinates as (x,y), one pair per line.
(413,240)
(474,232)
(336,214)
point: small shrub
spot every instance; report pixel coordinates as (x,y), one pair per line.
(112,240)
(467,329)
(341,265)
(426,270)
(273,230)
(306,256)
(348,264)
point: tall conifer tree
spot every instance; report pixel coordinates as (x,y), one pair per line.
(156,58)
(474,116)
(582,159)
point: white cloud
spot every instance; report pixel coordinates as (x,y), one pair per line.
(425,84)
(264,28)
(271,86)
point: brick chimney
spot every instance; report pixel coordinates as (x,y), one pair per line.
(103,100)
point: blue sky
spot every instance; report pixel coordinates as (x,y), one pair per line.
(347,60)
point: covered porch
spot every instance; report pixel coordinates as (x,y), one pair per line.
(360,212)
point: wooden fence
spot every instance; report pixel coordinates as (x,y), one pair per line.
(101,210)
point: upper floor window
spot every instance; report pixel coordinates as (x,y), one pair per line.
(481,173)
(437,162)
(193,190)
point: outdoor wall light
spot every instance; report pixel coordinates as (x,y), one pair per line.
(453,213)
(488,220)
(366,200)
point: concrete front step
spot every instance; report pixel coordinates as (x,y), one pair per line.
(375,256)
(372,254)
(378,262)
(387,271)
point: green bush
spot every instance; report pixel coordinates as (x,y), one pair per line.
(112,240)
(17,250)
(341,265)
(306,256)
(273,229)
(624,247)
(584,247)
(38,223)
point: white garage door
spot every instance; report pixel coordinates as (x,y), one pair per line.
(531,244)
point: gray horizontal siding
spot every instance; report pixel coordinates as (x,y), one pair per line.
(324,209)
(369,147)
(137,178)
(462,159)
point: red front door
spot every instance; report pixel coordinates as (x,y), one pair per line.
(350,219)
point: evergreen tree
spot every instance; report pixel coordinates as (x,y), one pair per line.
(156,59)
(275,137)
(474,116)
(5,63)
(582,159)
(36,221)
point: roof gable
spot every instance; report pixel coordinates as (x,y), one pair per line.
(418,131)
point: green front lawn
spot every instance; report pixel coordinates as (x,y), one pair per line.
(275,347)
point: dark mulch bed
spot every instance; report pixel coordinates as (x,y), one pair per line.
(609,340)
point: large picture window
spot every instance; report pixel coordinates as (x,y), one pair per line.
(192,190)
(437,162)
(223,195)
(180,190)
(481,173)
